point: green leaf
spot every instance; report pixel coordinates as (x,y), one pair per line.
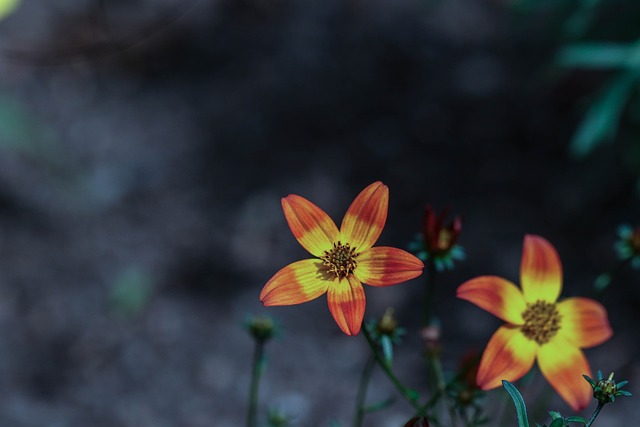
(601,121)
(521,408)
(412,394)
(380,405)
(575,419)
(593,55)
(555,415)
(600,56)
(387,349)
(558,422)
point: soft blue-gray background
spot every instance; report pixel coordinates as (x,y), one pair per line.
(144,148)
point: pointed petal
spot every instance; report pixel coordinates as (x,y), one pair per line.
(384,266)
(508,356)
(299,282)
(346,303)
(540,270)
(498,296)
(563,365)
(365,219)
(584,322)
(310,225)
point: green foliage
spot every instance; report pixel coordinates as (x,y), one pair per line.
(518,401)
(557,420)
(603,39)
(601,121)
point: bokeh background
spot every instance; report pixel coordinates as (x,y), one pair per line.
(145,146)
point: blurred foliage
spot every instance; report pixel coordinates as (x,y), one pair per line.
(7,7)
(131,291)
(601,40)
(22,133)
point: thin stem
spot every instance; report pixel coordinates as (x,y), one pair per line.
(362,390)
(409,395)
(433,357)
(430,278)
(258,361)
(595,414)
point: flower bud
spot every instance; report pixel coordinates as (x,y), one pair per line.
(261,328)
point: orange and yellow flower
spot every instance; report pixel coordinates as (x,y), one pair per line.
(538,326)
(345,258)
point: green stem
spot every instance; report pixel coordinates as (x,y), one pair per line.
(595,414)
(433,357)
(409,395)
(362,390)
(441,386)
(258,361)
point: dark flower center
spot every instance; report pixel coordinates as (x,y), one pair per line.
(340,260)
(541,321)
(445,238)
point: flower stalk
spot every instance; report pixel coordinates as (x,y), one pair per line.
(408,394)
(261,329)
(256,373)
(362,390)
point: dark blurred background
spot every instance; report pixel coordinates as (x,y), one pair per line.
(145,146)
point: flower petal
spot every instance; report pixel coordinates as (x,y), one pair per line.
(540,270)
(298,282)
(508,356)
(563,364)
(365,219)
(310,225)
(584,322)
(498,296)
(346,303)
(384,266)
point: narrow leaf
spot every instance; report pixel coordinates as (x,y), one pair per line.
(594,55)
(521,408)
(380,405)
(601,121)
(387,349)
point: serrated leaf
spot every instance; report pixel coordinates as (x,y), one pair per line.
(576,419)
(521,408)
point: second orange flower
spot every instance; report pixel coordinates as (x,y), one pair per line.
(344,258)
(538,325)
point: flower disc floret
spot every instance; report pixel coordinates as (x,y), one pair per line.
(340,260)
(541,321)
